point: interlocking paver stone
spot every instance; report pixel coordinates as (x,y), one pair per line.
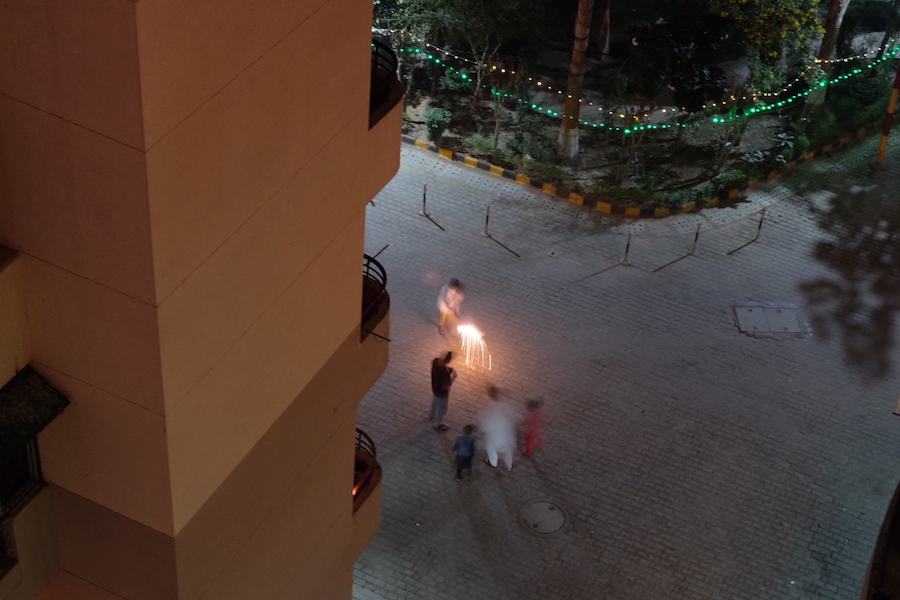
(692,461)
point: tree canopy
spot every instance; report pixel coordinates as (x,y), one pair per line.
(772,31)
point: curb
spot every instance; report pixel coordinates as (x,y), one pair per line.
(633,212)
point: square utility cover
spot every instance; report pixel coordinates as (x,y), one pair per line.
(751,319)
(782,320)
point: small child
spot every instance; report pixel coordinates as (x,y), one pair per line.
(534,426)
(464,446)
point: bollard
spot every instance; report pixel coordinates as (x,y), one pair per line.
(696,235)
(627,246)
(759,228)
(886,131)
(424,194)
(487,218)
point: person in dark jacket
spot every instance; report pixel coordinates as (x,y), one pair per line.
(442,378)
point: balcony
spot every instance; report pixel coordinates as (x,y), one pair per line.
(366,470)
(385,87)
(375,299)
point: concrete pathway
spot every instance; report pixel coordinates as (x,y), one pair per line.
(690,460)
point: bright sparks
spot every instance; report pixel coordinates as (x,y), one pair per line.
(474,348)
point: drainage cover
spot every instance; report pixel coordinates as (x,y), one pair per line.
(758,317)
(542,516)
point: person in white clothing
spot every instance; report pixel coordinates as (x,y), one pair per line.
(497,423)
(448,302)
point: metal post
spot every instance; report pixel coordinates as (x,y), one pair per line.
(890,117)
(696,235)
(487,218)
(627,246)
(759,228)
(424,194)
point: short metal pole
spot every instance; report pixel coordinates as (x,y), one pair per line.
(487,218)
(627,246)
(424,195)
(886,130)
(696,236)
(759,228)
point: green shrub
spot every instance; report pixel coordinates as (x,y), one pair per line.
(436,121)
(699,195)
(546,172)
(485,147)
(823,129)
(728,180)
(632,195)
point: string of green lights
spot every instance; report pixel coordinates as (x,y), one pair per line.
(773,106)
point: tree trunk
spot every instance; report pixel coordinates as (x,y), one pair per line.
(602,10)
(567,143)
(826,52)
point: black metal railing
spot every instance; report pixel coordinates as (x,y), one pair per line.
(375,300)
(366,470)
(385,89)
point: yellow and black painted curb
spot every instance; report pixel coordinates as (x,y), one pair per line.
(634,212)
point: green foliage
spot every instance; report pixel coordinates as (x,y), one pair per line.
(542,170)
(481,145)
(698,195)
(823,129)
(728,180)
(480,24)
(650,180)
(437,120)
(771,30)
(528,142)
(633,195)
(861,99)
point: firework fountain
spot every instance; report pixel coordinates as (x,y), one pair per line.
(474,348)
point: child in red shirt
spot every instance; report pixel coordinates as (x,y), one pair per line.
(534,426)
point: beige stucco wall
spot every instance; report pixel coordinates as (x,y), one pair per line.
(186,183)
(280,521)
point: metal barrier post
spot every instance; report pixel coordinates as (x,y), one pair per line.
(696,236)
(759,228)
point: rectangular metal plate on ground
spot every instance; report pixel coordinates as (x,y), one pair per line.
(751,319)
(782,320)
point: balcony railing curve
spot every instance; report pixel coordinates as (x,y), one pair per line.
(366,470)
(385,89)
(375,300)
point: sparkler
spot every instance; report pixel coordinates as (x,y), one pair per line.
(474,348)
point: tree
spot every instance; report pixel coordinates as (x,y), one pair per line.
(485,26)
(826,52)
(567,143)
(772,32)
(602,10)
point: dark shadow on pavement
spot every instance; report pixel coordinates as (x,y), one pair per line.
(862,249)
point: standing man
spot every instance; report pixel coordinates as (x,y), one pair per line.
(498,423)
(449,301)
(442,378)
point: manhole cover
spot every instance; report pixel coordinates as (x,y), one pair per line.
(542,516)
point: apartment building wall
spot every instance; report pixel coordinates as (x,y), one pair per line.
(186,185)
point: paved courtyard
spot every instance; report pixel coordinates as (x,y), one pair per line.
(691,460)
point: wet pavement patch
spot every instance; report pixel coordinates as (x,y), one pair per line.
(542,516)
